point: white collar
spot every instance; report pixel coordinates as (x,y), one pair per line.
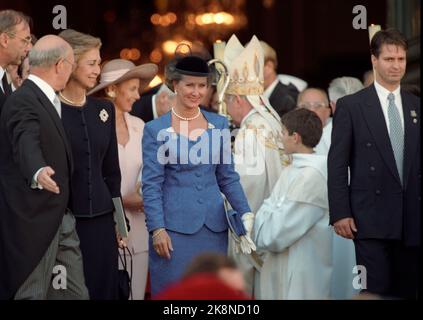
(317,161)
(252,111)
(383,92)
(44,87)
(2,71)
(268,92)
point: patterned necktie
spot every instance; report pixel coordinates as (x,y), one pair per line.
(396,133)
(6,86)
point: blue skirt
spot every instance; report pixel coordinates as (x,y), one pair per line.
(186,247)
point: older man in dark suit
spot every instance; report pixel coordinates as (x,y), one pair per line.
(37,232)
(15,42)
(376,136)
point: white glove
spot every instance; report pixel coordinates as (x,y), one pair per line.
(246,245)
(248,220)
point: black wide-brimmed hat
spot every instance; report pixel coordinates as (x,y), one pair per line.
(192,66)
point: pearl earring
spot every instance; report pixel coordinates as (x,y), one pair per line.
(111,94)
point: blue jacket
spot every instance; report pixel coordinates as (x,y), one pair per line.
(181,194)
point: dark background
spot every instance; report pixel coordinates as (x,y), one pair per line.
(314,40)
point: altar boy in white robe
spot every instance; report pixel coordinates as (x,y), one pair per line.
(292,225)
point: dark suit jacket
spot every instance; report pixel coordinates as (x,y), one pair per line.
(283,98)
(143,107)
(3,97)
(96,176)
(31,136)
(381,207)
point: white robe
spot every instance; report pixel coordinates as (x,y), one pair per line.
(324,143)
(343,249)
(259,161)
(292,228)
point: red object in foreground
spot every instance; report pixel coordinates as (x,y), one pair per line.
(203,286)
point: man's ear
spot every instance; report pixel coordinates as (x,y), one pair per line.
(297,138)
(59,65)
(238,99)
(4,39)
(374,60)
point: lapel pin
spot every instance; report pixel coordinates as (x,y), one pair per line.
(103,115)
(415,120)
(413,113)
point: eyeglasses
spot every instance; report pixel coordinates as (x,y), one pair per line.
(27,40)
(313,105)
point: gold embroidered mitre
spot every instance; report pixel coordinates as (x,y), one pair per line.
(245,67)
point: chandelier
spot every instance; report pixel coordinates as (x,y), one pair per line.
(198,23)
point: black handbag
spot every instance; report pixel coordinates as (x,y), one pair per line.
(124,278)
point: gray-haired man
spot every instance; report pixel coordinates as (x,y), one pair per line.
(40,256)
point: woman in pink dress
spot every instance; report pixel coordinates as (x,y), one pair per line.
(122,82)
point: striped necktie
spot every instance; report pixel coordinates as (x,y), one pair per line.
(396,134)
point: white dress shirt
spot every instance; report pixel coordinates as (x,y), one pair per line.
(48,91)
(383,93)
(2,71)
(268,92)
(51,95)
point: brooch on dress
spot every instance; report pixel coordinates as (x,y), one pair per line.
(413,114)
(103,115)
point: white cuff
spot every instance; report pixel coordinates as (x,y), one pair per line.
(34,183)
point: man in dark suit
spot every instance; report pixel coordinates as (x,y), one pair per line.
(15,42)
(376,138)
(282,97)
(144,107)
(37,232)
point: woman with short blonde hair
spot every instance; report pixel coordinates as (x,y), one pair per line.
(90,127)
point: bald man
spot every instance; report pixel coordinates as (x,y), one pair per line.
(40,255)
(316,100)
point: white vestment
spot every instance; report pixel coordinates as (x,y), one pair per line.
(292,229)
(259,159)
(324,143)
(343,249)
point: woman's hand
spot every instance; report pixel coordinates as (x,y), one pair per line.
(162,243)
(122,242)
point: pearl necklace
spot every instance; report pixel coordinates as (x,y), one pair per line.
(72,102)
(187,119)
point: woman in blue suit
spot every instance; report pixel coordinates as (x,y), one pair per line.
(187,164)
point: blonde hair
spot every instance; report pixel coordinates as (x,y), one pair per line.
(269,53)
(80,42)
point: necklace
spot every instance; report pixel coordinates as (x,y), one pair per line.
(186,119)
(72,102)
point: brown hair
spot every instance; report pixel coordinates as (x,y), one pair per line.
(306,123)
(388,36)
(80,42)
(209,262)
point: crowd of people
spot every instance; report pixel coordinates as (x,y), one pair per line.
(317,184)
